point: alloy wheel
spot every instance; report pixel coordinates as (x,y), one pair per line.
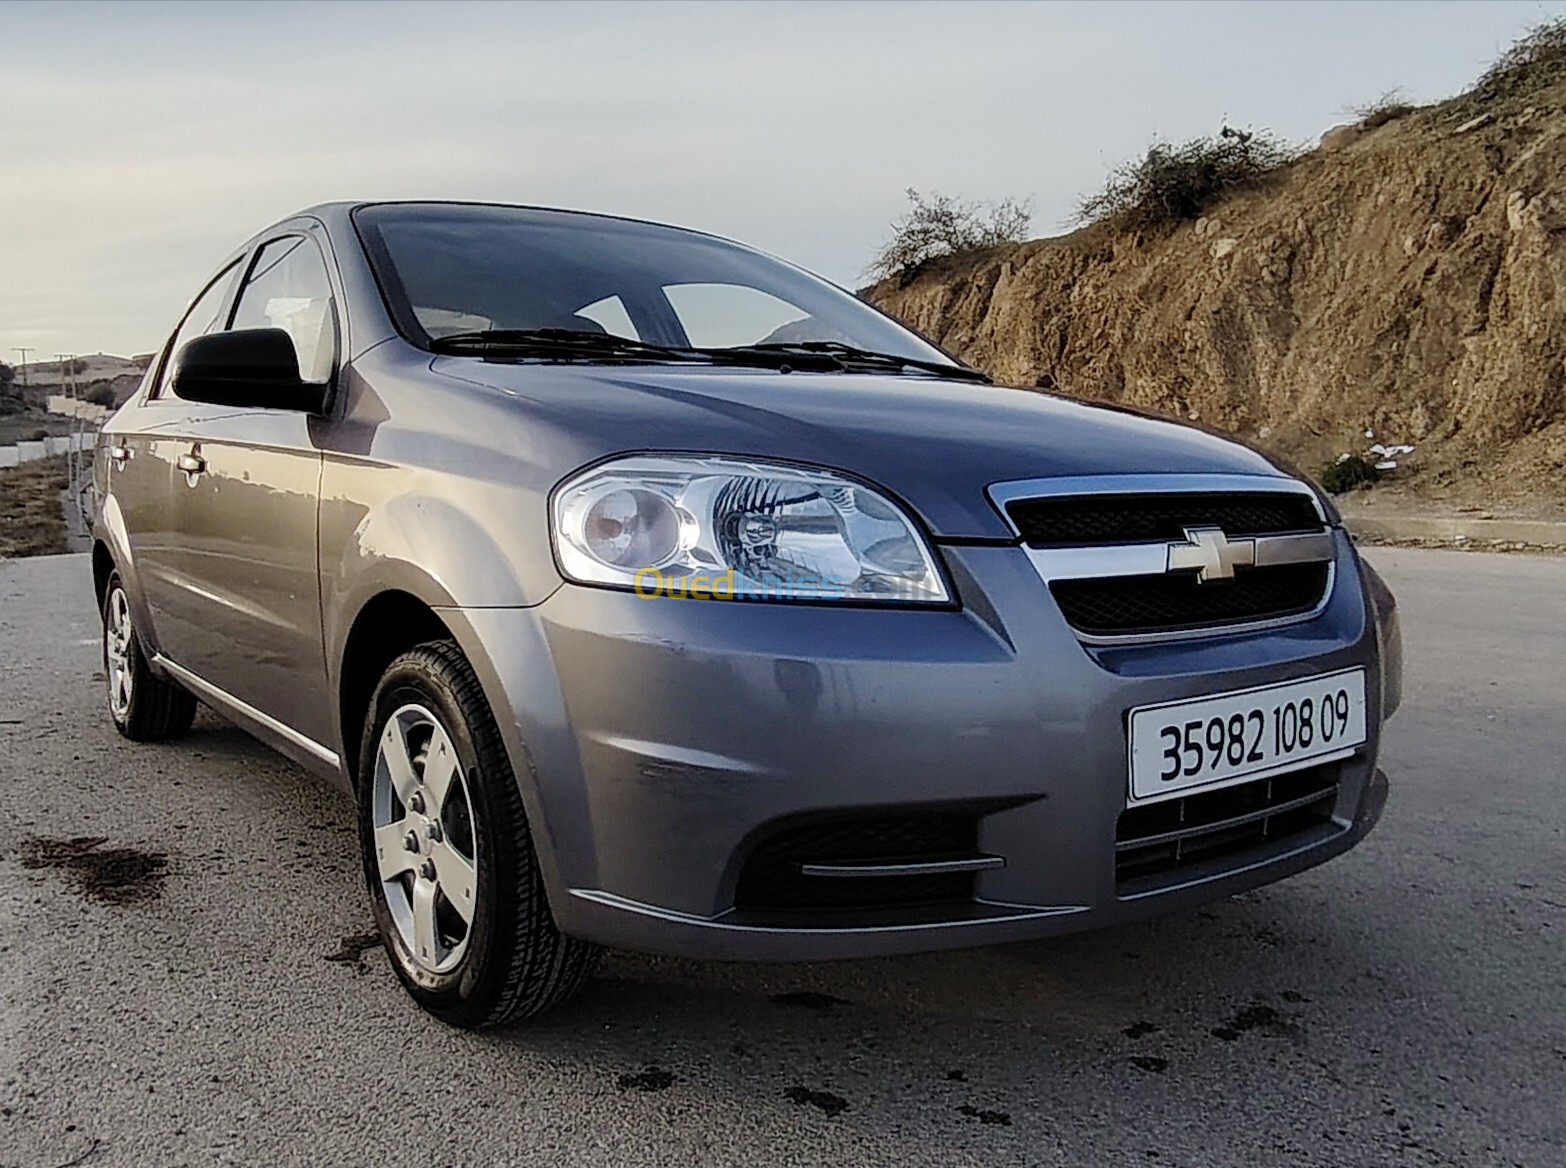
(423,816)
(117,654)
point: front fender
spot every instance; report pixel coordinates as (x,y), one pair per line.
(421,545)
(439,555)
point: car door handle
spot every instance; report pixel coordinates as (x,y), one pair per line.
(191,464)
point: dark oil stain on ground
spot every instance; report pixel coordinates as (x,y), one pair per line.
(647,1079)
(1254,1017)
(956,1075)
(821,1100)
(1151,1063)
(984,1116)
(809,1000)
(1140,1030)
(116,876)
(352,948)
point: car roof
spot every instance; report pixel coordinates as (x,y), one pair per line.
(340,212)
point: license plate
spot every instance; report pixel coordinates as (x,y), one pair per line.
(1202,743)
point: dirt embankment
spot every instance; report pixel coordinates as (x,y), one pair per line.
(1408,279)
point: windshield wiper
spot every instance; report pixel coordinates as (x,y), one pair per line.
(851,355)
(557,343)
(560,344)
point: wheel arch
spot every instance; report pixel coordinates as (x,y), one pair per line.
(387,625)
(102,568)
(499,644)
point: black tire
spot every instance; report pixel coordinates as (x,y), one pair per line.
(148,709)
(514,961)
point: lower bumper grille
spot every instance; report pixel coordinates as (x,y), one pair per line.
(774,875)
(1179,833)
(1175,601)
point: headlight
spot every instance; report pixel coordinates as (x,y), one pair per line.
(732,528)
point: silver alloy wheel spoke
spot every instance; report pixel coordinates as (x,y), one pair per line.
(426,936)
(391,852)
(440,768)
(457,879)
(394,754)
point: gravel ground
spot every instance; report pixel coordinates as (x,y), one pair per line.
(183,982)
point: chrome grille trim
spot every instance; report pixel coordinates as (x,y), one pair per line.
(1153,558)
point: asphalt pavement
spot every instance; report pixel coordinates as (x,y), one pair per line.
(190,989)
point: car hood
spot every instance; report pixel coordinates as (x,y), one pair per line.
(936,444)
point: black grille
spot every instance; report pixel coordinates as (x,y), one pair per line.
(1091,520)
(772,879)
(1177,833)
(1174,601)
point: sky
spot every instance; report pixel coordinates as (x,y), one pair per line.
(140,143)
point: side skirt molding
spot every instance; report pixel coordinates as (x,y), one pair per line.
(243,712)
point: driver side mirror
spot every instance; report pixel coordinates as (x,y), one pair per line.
(253,368)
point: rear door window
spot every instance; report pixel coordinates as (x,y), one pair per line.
(202,318)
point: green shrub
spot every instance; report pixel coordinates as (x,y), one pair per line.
(937,225)
(1174,184)
(1348,473)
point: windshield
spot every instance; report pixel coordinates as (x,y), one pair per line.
(450,269)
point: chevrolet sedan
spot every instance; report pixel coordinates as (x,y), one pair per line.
(647,591)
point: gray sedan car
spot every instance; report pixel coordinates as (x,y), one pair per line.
(647,591)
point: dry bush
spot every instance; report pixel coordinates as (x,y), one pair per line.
(1175,183)
(937,225)
(1389,107)
(1536,61)
(1349,473)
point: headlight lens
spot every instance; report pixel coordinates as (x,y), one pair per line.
(738,529)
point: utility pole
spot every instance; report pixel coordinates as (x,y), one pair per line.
(23,366)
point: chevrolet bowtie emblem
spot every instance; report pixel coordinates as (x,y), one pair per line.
(1212,553)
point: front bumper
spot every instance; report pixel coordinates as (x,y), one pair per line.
(658,741)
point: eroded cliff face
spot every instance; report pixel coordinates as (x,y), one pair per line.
(1409,280)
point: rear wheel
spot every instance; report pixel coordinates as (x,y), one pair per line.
(448,857)
(145,708)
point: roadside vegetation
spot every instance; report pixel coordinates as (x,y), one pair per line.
(1389,107)
(1352,472)
(1176,183)
(31,520)
(1535,62)
(937,225)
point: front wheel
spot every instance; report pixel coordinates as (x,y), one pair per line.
(145,708)
(448,856)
